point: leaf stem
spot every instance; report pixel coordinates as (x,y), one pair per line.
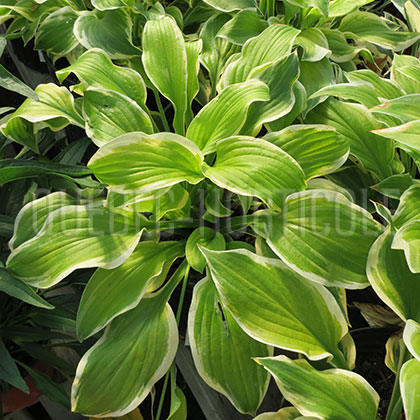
(178,317)
(161,111)
(395,404)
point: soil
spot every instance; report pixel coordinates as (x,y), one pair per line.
(370,363)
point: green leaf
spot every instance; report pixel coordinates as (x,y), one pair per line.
(271,45)
(136,350)
(408,240)
(216,50)
(384,88)
(111,4)
(344,7)
(287,413)
(391,278)
(109,30)
(341,51)
(395,185)
(324,237)
(140,163)
(405,108)
(178,408)
(48,387)
(360,91)
(409,384)
(409,207)
(110,293)
(330,394)
(222,352)
(9,371)
(55,108)
(33,215)
(95,69)
(372,28)
(411,337)
(55,34)
(165,62)
(321,5)
(407,134)
(20,131)
(244,25)
(76,237)
(10,82)
(280,78)
(317,148)
(12,169)
(110,114)
(314,44)
(355,125)
(225,115)
(204,236)
(193,50)
(20,290)
(294,314)
(231,5)
(405,72)
(255,167)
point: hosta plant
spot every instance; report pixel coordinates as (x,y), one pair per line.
(253,150)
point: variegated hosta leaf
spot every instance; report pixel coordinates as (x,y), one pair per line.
(412,337)
(55,33)
(409,385)
(318,149)
(246,24)
(32,217)
(223,353)
(408,239)
(111,4)
(216,50)
(75,237)
(271,45)
(355,125)
(280,78)
(407,134)
(321,5)
(55,108)
(110,293)
(324,237)
(341,50)
(405,108)
(231,5)
(391,278)
(204,236)
(409,207)
(344,7)
(165,62)
(95,69)
(372,28)
(359,91)
(110,114)
(276,306)
(405,71)
(109,30)
(193,50)
(330,394)
(255,167)
(314,44)
(384,88)
(395,185)
(141,163)
(225,115)
(287,413)
(136,350)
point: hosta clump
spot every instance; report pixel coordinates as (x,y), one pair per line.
(251,180)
